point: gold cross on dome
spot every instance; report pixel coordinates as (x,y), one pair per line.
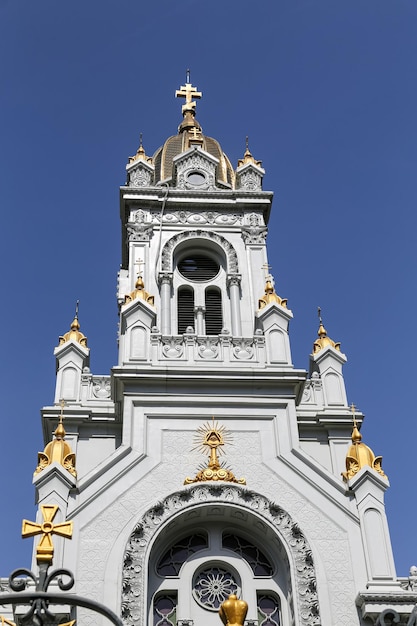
(45,547)
(188,92)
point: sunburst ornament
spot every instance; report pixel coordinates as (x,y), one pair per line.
(214,436)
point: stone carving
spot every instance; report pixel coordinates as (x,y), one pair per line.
(168,248)
(172,347)
(195,162)
(255,231)
(250,180)
(411,583)
(134,565)
(243,348)
(140,177)
(139,229)
(101,387)
(207,348)
(194,218)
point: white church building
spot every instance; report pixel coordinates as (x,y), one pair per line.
(207,464)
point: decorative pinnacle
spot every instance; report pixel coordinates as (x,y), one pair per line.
(45,548)
(323,341)
(74,332)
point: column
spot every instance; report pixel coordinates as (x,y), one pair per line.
(165,282)
(199,312)
(233,282)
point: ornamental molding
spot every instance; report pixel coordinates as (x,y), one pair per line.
(140,176)
(195,163)
(250,179)
(138,228)
(198,217)
(299,552)
(167,251)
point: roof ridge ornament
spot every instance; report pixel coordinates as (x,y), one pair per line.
(139,291)
(140,153)
(213,436)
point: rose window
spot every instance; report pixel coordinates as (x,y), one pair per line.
(212,586)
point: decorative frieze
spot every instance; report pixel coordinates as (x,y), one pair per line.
(196,218)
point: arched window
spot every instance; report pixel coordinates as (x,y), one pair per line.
(185,305)
(189,578)
(214,313)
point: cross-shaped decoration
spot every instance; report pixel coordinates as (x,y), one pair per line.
(195,133)
(352,410)
(266,269)
(188,92)
(45,548)
(139,262)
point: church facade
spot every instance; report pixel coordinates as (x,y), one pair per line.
(206,464)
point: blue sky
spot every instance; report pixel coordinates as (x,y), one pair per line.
(326,91)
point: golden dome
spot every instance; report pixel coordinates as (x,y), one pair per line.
(190,134)
(74,334)
(271,296)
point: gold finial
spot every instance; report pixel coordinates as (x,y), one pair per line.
(45,548)
(323,341)
(233,611)
(140,154)
(57,450)
(247,157)
(188,92)
(213,436)
(360,455)
(74,332)
(270,294)
(139,291)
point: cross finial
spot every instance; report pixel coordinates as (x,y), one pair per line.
(319,314)
(188,92)
(266,269)
(45,547)
(187,75)
(140,140)
(77,306)
(139,262)
(352,410)
(247,142)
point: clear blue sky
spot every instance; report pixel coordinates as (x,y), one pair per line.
(326,91)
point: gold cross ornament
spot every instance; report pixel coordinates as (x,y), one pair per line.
(45,548)
(188,92)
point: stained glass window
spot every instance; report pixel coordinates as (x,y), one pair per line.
(171,562)
(165,610)
(268,610)
(260,564)
(213,585)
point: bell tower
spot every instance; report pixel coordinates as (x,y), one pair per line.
(207,464)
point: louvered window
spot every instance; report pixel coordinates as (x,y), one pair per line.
(185,309)
(198,267)
(214,315)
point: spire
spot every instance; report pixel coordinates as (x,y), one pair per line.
(323,341)
(360,455)
(57,450)
(74,332)
(270,294)
(213,436)
(140,154)
(188,92)
(247,157)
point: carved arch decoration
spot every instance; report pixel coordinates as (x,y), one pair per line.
(230,252)
(141,539)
